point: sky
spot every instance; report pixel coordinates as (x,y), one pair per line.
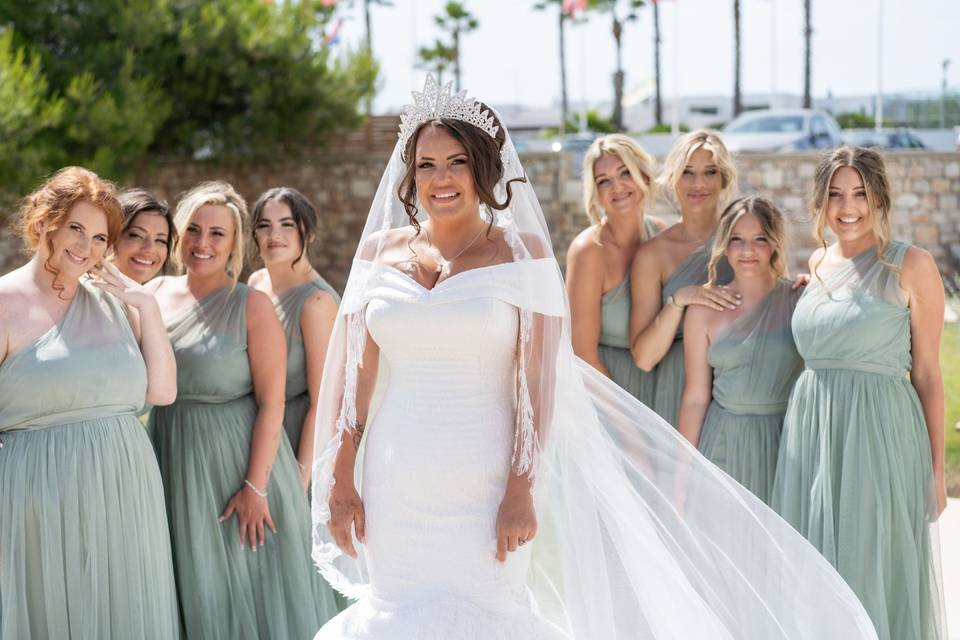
(512,58)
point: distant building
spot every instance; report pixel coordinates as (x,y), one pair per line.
(919,110)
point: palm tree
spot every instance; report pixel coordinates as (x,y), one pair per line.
(657,104)
(436,59)
(737,96)
(613,7)
(807,33)
(456,20)
(563,17)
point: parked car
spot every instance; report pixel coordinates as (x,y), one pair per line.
(900,138)
(771,130)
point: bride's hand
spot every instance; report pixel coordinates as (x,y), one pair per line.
(516,519)
(346,509)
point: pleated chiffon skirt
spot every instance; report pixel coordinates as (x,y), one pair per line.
(227,591)
(854,477)
(84,543)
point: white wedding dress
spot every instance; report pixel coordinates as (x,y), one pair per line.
(435,467)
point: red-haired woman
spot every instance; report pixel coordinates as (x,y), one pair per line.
(84,544)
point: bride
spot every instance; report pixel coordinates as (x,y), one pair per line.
(481,432)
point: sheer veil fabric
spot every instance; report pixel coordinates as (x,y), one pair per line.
(639,535)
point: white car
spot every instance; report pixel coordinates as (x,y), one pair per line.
(781,130)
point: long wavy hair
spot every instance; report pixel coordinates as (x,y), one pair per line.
(869,164)
(638,162)
(772,222)
(483,157)
(679,158)
(51,202)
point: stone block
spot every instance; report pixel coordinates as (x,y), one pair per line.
(921,186)
(362,189)
(806,169)
(948,202)
(928,234)
(951,169)
(773,178)
(940,185)
(907,200)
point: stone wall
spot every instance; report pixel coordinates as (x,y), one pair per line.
(926,190)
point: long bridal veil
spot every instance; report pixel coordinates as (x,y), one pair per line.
(640,536)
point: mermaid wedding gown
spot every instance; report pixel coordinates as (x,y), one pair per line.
(435,469)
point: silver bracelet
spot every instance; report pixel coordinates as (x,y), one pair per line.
(262,494)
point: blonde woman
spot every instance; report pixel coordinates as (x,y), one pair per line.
(670,271)
(741,364)
(861,466)
(221,446)
(618,188)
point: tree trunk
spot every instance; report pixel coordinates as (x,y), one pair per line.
(617,116)
(807,36)
(737,97)
(657,104)
(368,103)
(366,20)
(564,105)
(456,58)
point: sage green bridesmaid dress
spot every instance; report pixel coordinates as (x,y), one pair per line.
(227,591)
(84,544)
(289,306)
(614,344)
(668,391)
(755,363)
(854,474)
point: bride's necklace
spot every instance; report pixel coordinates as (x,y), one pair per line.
(443,265)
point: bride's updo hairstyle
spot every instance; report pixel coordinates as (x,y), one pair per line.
(483,156)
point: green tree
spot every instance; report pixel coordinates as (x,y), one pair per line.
(562,19)
(436,59)
(456,20)
(854,120)
(230,79)
(621,12)
(29,115)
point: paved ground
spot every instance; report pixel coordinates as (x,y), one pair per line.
(950,557)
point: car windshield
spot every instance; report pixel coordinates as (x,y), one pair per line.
(768,124)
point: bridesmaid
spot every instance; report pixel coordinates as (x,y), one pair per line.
(618,187)
(741,364)
(861,466)
(670,270)
(284,223)
(143,249)
(84,543)
(221,446)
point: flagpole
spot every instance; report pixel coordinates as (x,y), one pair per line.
(878,113)
(675,121)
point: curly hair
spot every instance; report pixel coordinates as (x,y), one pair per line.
(51,202)
(483,157)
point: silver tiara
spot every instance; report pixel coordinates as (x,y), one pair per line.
(436,102)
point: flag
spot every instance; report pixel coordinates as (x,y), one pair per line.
(570,7)
(328,3)
(333,36)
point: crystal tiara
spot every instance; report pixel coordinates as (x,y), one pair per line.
(436,102)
